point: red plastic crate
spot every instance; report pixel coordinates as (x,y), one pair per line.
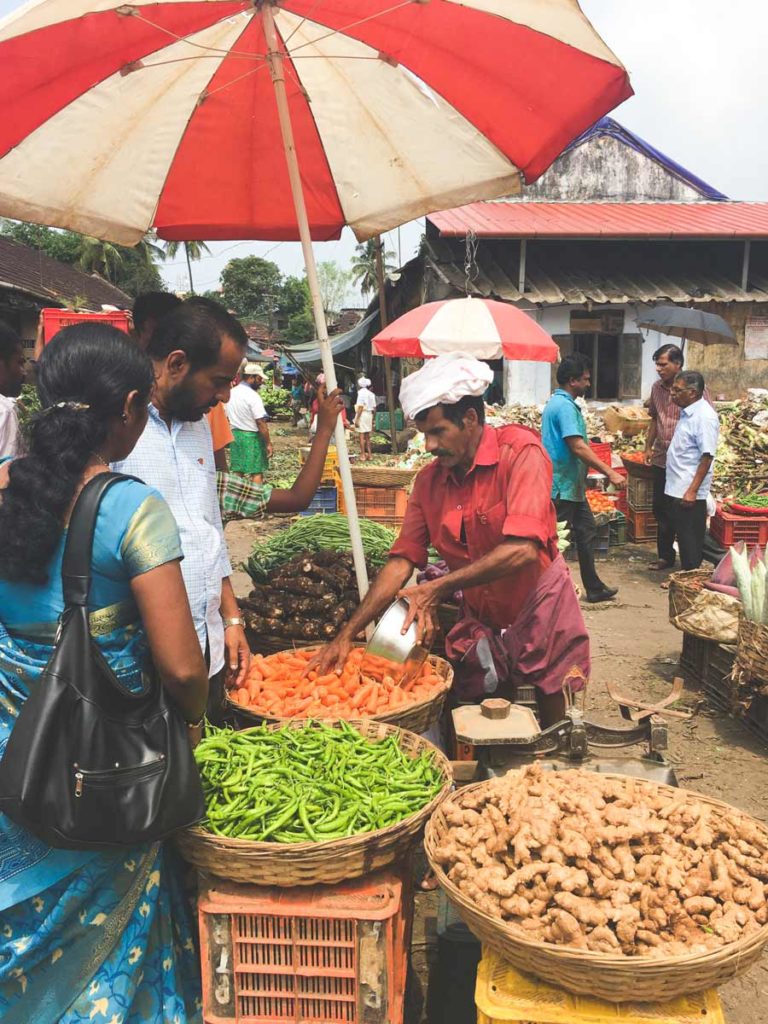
(55,320)
(641,526)
(728,529)
(602,450)
(325,954)
(384,504)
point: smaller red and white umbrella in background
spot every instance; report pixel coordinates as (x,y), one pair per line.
(477,327)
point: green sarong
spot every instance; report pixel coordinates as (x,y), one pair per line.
(248,453)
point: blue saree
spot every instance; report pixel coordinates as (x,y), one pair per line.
(91,937)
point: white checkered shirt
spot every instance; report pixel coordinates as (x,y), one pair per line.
(179,464)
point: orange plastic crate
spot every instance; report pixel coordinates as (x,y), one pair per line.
(54,320)
(320,955)
(384,504)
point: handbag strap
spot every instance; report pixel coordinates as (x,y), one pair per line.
(78,550)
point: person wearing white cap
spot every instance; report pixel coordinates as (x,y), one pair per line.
(365,407)
(251,449)
(484,503)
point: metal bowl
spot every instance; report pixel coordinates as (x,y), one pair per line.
(389,641)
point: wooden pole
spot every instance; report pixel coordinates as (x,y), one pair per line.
(275,60)
(384,320)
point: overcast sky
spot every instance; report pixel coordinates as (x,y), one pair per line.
(699,69)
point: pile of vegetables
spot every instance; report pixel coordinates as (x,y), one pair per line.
(318,533)
(277,400)
(741,460)
(563,537)
(599,502)
(279,686)
(308,597)
(310,784)
(614,865)
(759,502)
(749,569)
(284,467)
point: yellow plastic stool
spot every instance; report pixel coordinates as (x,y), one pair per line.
(503,994)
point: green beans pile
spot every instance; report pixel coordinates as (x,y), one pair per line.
(310,784)
(752,500)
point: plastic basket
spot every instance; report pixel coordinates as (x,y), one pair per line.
(727,528)
(504,994)
(384,504)
(325,501)
(602,450)
(324,954)
(641,526)
(54,320)
(640,494)
(618,530)
(330,466)
(381,420)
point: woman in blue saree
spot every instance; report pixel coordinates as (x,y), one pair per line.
(88,936)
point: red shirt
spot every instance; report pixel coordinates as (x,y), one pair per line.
(506,493)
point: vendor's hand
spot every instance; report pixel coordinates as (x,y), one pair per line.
(422,609)
(269,449)
(332,657)
(237,656)
(688,500)
(617,480)
(647,456)
(195,733)
(328,409)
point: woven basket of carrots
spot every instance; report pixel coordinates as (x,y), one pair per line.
(279,687)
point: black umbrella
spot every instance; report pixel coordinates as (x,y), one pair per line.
(683,322)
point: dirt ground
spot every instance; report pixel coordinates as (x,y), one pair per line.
(635,647)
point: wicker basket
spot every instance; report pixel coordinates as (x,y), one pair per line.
(382,476)
(241,860)
(684,588)
(614,978)
(414,717)
(752,651)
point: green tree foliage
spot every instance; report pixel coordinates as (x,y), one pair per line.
(251,287)
(334,285)
(363,271)
(301,327)
(294,297)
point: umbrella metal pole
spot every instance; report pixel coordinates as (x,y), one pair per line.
(383,321)
(277,72)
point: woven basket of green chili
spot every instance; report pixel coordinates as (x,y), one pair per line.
(268,811)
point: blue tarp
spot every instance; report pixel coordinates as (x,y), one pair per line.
(310,353)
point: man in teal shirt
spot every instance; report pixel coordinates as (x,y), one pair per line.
(564,435)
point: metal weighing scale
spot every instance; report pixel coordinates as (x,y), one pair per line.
(506,736)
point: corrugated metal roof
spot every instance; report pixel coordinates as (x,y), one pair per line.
(29,270)
(597,273)
(606,220)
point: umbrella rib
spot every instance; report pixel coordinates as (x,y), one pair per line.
(213,50)
(345,28)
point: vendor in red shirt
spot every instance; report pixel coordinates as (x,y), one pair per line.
(484,503)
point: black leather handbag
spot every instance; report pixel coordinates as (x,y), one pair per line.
(90,764)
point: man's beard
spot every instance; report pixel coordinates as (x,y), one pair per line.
(181,404)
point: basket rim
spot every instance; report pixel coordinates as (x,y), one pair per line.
(386,717)
(256,848)
(588,956)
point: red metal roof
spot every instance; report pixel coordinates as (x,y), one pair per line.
(606,220)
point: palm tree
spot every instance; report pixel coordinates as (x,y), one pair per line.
(364,265)
(192,251)
(100,257)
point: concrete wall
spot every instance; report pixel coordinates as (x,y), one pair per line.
(725,369)
(527,383)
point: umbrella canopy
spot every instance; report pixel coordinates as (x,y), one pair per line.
(688,324)
(119,117)
(477,327)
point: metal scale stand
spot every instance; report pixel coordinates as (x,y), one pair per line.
(507,736)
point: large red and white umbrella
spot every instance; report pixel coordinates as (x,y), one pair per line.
(285,119)
(123,116)
(478,327)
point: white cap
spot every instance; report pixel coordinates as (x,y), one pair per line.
(252,369)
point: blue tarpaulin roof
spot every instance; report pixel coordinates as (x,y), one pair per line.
(310,352)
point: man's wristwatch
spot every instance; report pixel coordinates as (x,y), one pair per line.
(235,621)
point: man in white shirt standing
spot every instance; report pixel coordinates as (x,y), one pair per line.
(12,376)
(689,465)
(251,449)
(365,407)
(195,350)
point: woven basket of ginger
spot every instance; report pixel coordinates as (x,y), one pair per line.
(605,884)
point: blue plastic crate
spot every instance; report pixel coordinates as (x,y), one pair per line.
(326,500)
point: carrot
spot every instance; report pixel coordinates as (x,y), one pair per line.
(362,695)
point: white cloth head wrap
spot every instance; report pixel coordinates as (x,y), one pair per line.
(443,381)
(363,382)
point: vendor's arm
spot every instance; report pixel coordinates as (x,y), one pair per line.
(298,497)
(511,555)
(238,655)
(582,450)
(649,441)
(702,469)
(381,594)
(264,431)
